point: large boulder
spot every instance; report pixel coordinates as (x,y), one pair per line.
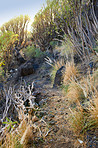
(26,69)
(59,77)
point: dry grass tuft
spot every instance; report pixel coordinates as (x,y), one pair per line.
(11,140)
(85,116)
(81,121)
(22,136)
(75,93)
(93,109)
(90,88)
(70,73)
(77,121)
(90,85)
(58,64)
(27,137)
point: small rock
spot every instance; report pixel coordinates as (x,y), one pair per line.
(42,102)
(59,100)
(62,113)
(55,129)
(52,122)
(41,113)
(50,116)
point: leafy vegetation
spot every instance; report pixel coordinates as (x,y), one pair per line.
(9,123)
(32,51)
(66,28)
(43,27)
(18,26)
(7,43)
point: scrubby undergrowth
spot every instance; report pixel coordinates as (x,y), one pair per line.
(49,84)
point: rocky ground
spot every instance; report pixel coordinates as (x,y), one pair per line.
(54,112)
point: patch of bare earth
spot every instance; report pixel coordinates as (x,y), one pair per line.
(57,110)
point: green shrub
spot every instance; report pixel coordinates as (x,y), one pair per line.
(54,43)
(18,26)
(43,27)
(29,51)
(1,74)
(7,43)
(39,53)
(32,51)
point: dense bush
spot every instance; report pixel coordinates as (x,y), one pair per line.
(43,27)
(48,23)
(76,19)
(32,51)
(81,27)
(7,43)
(18,26)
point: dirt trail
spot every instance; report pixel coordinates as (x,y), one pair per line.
(55,115)
(57,109)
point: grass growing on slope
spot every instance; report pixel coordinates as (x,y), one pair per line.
(75,93)
(71,72)
(84,116)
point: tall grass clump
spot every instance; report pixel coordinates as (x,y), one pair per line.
(71,72)
(93,109)
(75,93)
(12,141)
(84,117)
(77,121)
(81,121)
(90,87)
